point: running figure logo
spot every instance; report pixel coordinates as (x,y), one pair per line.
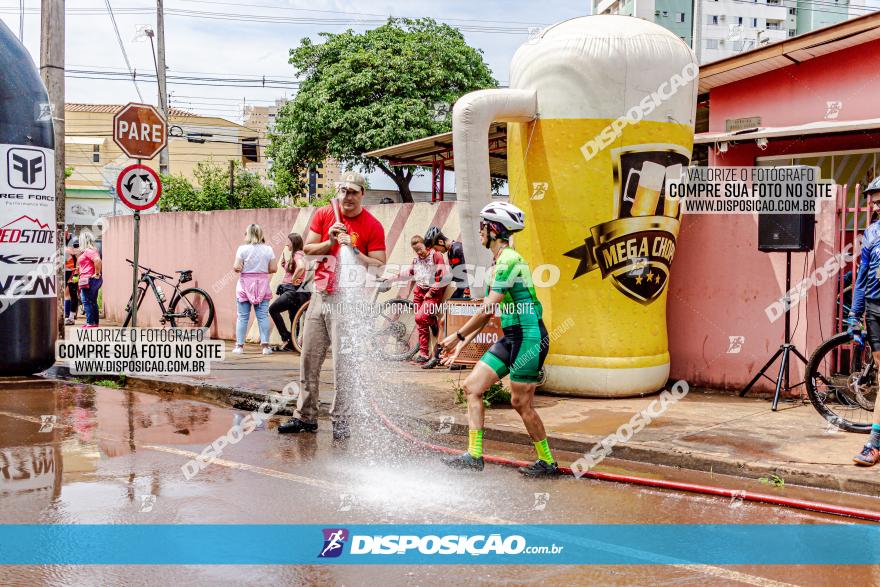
(334,540)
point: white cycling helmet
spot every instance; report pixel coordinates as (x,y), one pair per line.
(505,214)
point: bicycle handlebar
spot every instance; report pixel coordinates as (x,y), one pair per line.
(148,270)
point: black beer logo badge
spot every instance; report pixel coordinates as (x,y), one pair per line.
(635,249)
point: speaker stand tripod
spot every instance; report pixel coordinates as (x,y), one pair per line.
(785,350)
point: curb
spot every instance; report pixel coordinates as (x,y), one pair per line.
(694,461)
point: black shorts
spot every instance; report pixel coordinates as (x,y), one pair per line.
(872,322)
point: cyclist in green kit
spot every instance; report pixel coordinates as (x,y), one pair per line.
(520,353)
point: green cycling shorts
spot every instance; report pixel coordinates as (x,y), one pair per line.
(520,353)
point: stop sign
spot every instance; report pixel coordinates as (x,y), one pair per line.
(140,131)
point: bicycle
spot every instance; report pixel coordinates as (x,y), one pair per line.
(189,308)
(393,328)
(841,381)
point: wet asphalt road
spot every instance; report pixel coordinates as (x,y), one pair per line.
(115,456)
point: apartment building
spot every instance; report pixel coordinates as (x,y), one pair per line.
(724,28)
(317,180)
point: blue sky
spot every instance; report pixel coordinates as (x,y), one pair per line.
(220,46)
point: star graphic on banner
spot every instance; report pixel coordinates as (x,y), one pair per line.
(651,277)
(638,280)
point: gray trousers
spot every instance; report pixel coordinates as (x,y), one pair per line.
(321,332)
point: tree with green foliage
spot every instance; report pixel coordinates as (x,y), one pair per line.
(365,91)
(211,191)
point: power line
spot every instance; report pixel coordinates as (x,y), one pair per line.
(382,18)
(226,99)
(122,48)
(289,8)
(264,82)
(208,73)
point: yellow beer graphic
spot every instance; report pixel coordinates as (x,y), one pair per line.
(615,100)
(650,182)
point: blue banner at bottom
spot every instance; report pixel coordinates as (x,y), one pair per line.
(636,544)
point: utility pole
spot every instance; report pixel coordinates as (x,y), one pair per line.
(160,75)
(697,37)
(231,183)
(52,74)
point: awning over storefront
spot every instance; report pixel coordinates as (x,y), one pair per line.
(795,50)
(812,128)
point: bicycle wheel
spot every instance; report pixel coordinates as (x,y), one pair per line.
(141,292)
(842,383)
(298,327)
(394,329)
(193,308)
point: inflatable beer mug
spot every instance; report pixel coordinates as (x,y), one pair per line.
(601,113)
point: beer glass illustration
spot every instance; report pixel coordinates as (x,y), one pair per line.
(649,183)
(600,109)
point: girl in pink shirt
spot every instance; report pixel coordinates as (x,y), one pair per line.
(90,277)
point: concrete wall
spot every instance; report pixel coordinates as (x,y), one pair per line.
(206,242)
(720,283)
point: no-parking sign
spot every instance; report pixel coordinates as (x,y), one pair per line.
(138,187)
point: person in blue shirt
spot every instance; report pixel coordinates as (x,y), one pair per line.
(866,300)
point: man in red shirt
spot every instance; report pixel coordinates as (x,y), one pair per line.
(360,230)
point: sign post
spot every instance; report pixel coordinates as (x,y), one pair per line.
(141,132)
(139,188)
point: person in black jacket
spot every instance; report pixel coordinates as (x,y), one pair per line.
(434,238)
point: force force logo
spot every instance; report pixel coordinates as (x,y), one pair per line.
(26,169)
(334,541)
(26,230)
(635,249)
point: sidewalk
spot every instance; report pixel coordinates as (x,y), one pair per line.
(705,431)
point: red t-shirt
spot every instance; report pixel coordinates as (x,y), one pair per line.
(366,234)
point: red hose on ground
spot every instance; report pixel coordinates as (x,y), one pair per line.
(801,504)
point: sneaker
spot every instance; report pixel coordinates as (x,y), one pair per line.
(68,322)
(540,469)
(296,425)
(341,430)
(419,360)
(238,350)
(433,362)
(869,456)
(267,350)
(457,367)
(464,461)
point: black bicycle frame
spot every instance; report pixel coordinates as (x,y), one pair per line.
(151,279)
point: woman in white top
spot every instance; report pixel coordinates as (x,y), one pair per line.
(255,262)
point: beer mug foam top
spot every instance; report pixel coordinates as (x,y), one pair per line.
(600,111)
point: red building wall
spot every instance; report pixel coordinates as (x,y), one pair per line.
(721,284)
(799,93)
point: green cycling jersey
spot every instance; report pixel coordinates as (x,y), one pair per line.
(511,276)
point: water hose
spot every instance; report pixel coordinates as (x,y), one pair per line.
(801,504)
